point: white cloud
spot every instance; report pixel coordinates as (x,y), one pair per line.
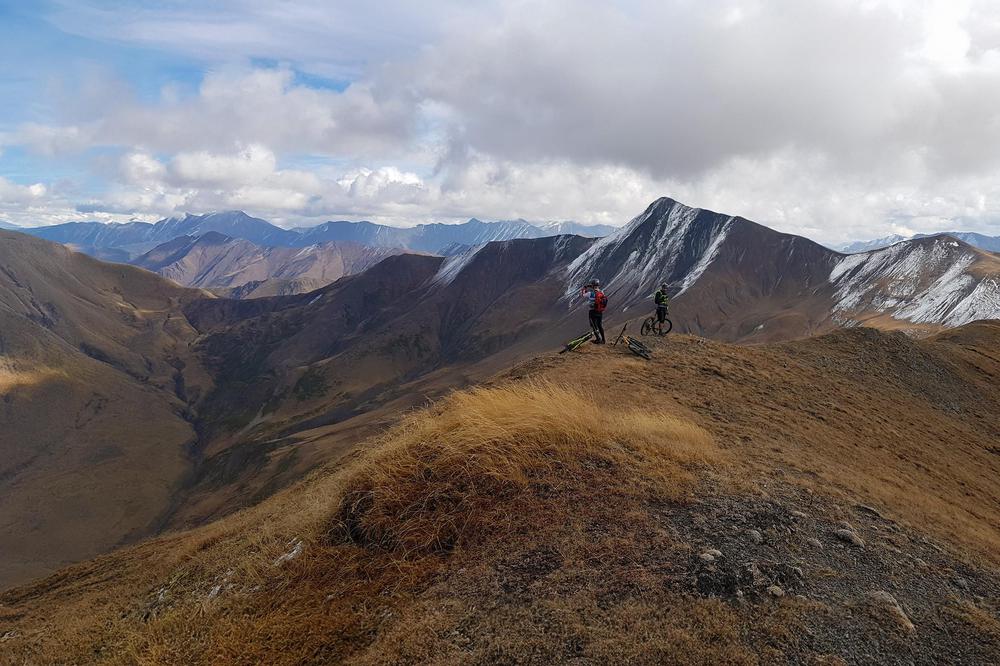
(249,166)
(833,118)
(240,107)
(52,140)
(14,193)
(379,182)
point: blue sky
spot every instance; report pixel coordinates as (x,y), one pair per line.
(836,119)
(43,63)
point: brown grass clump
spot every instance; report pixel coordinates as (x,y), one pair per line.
(981,619)
(433,479)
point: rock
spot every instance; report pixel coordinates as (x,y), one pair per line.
(798,514)
(961,583)
(814,542)
(884,602)
(714,553)
(868,509)
(755,536)
(851,537)
(775,591)
(707,558)
(756,576)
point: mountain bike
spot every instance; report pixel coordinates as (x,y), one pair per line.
(652,326)
(637,348)
(634,346)
(576,342)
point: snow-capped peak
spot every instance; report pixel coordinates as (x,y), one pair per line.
(923,281)
(669,242)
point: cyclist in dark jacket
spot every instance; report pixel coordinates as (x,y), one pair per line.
(662,303)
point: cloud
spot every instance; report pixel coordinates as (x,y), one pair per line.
(13,193)
(203,169)
(676,90)
(239,106)
(834,118)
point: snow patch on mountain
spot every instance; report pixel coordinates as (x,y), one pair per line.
(920,282)
(661,244)
(707,258)
(453,266)
(982,303)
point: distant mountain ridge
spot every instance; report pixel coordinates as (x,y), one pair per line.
(440,238)
(239,268)
(124,241)
(983,242)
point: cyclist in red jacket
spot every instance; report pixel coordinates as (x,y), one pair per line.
(598,303)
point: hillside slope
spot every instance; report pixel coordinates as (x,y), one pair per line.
(95,377)
(290,370)
(716,505)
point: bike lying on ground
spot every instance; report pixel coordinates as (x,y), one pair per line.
(637,347)
(634,346)
(576,342)
(652,326)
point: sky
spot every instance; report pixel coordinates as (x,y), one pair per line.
(835,119)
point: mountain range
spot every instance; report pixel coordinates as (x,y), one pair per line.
(738,280)
(122,242)
(240,269)
(988,243)
(208,405)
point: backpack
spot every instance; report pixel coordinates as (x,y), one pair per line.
(600,301)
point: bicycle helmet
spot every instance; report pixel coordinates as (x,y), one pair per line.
(663,286)
(595,283)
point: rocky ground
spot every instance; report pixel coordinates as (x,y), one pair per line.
(870,590)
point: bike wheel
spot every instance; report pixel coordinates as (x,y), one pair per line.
(647,326)
(666,327)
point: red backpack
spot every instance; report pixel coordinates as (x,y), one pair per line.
(600,301)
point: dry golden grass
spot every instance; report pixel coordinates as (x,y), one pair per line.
(530,522)
(981,619)
(430,479)
(452,483)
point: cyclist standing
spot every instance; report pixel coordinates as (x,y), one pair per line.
(662,303)
(598,303)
